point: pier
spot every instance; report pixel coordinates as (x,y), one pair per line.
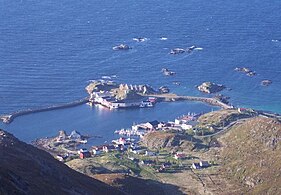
(168,97)
(8,118)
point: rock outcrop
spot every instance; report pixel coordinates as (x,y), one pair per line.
(266,82)
(209,87)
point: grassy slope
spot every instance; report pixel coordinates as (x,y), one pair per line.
(252,155)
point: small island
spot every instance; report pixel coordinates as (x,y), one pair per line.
(167,72)
(121,47)
(266,82)
(245,70)
(209,87)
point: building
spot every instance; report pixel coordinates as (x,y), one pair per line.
(166,165)
(82,150)
(149,153)
(75,135)
(200,165)
(108,148)
(195,166)
(148,162)
(204,164)
(178,156)
(83,155)
(241,110)
(152,125)
(97,150)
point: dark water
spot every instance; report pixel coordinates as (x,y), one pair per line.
(49,50)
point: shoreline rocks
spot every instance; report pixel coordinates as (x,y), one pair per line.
(245,70)
(121,47)
(181,50)
(209,87)
(167,72)
(266,82)
(164,89)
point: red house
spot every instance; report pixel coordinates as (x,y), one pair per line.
(83,155)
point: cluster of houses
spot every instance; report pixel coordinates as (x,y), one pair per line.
(108,99)
(74,137)
(129,138)
(185,122)
(200,165)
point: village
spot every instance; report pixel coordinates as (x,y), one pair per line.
(184,148)
(129,148)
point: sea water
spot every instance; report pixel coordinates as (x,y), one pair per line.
(50,50)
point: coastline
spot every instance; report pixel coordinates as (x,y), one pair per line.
(8,118)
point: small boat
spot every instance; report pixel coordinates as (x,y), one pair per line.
(146,104)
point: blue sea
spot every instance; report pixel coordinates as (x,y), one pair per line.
(50,50)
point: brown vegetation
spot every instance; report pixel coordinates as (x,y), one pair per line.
(251,155)
(28,170)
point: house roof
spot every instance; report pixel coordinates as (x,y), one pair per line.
(204,163)
(154,123)
(196,164)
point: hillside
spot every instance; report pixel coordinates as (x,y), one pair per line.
(158,140)
(25,169)
(251,155)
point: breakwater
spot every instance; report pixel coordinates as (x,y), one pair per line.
(174,97)
(8,118)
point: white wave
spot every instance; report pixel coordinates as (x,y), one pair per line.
(140,39)
(106,77)
(198,48)
(275,40)
(163,38)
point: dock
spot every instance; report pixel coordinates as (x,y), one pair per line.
(168,97)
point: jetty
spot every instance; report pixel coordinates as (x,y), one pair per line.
(168,97)
(8,118)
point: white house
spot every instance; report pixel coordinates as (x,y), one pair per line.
(149,153)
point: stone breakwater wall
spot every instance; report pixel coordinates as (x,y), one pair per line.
(174,97)
(8,118)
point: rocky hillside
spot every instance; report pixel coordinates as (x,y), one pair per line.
(251,155)
(221,118)
(159,140)
(25,169)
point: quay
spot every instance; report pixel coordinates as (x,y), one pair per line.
(168,97)
(8,118)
